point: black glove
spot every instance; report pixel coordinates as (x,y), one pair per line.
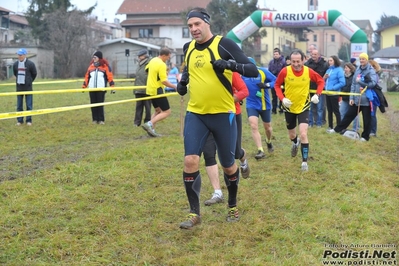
(220,65)
(113,91)
(181,88)
(263,85)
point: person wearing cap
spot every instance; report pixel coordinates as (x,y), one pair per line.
(364,78)
(98,75)
(156,82)
(25,73)
(141,80)
(353,61)
(210,61)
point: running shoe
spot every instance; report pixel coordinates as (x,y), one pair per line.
(294,149)
(216,198)
(270,147)
(304,166)
(244,167)
(260,155)
(193,219)
(150,130)
(232,215)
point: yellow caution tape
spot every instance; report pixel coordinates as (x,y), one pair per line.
(77,107)
(71,90)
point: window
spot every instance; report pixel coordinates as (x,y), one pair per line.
(396,40)
(145,33)
(314,37)
(185,32)
(332,38)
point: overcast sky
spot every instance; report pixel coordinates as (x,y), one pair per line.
(352,9)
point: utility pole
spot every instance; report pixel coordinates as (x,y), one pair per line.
(127,54)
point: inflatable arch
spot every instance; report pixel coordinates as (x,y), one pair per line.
(334,18)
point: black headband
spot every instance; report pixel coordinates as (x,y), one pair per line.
(202,15)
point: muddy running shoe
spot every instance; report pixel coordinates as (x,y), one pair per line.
(244,167)
(294,149)
(304,166)
(232,215)
(270,147)
(151,132)
(216,198)
(260,155)
(193,219)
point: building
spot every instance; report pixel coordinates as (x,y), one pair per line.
(122,54)
(159,23)
(389,36)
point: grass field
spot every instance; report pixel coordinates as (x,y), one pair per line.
(74,193)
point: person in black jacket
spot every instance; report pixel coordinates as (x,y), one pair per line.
(141,80)
(349,70)
(318,64)
(25,73)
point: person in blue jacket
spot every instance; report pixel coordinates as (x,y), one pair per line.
(335,80)
(258,104)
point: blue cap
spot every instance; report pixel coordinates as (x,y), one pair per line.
(22,51)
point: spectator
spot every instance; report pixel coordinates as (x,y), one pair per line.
(275,66)
(141,80)
(320,66)
(174,70)
(97,76)
(353,61)
(156,82)
(25,73)
(335,80)
(359,103)
(211,108)
(296,101)
(258,104)
(373,129)
(349,70)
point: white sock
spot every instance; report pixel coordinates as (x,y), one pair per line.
(219,192)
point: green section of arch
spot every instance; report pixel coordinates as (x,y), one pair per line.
(359,37)
(332,16)
(256,16)
(232,36)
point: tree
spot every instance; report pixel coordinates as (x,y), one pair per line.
(60,27)
(226,14)
(384,22)
(344,52)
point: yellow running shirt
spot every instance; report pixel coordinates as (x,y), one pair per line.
(157,72)
(297,90)
(208,95)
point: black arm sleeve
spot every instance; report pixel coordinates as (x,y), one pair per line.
(228,49)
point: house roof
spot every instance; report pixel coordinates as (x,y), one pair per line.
(362,23)
(390,52)
(122,40)
(19,19)
(388,27)
(130,7)
(4,11)
(159,22)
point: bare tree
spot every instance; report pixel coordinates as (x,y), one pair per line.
(68,37)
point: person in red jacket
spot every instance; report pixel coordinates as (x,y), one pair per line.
(241,92)
(296,101)
(97,76)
